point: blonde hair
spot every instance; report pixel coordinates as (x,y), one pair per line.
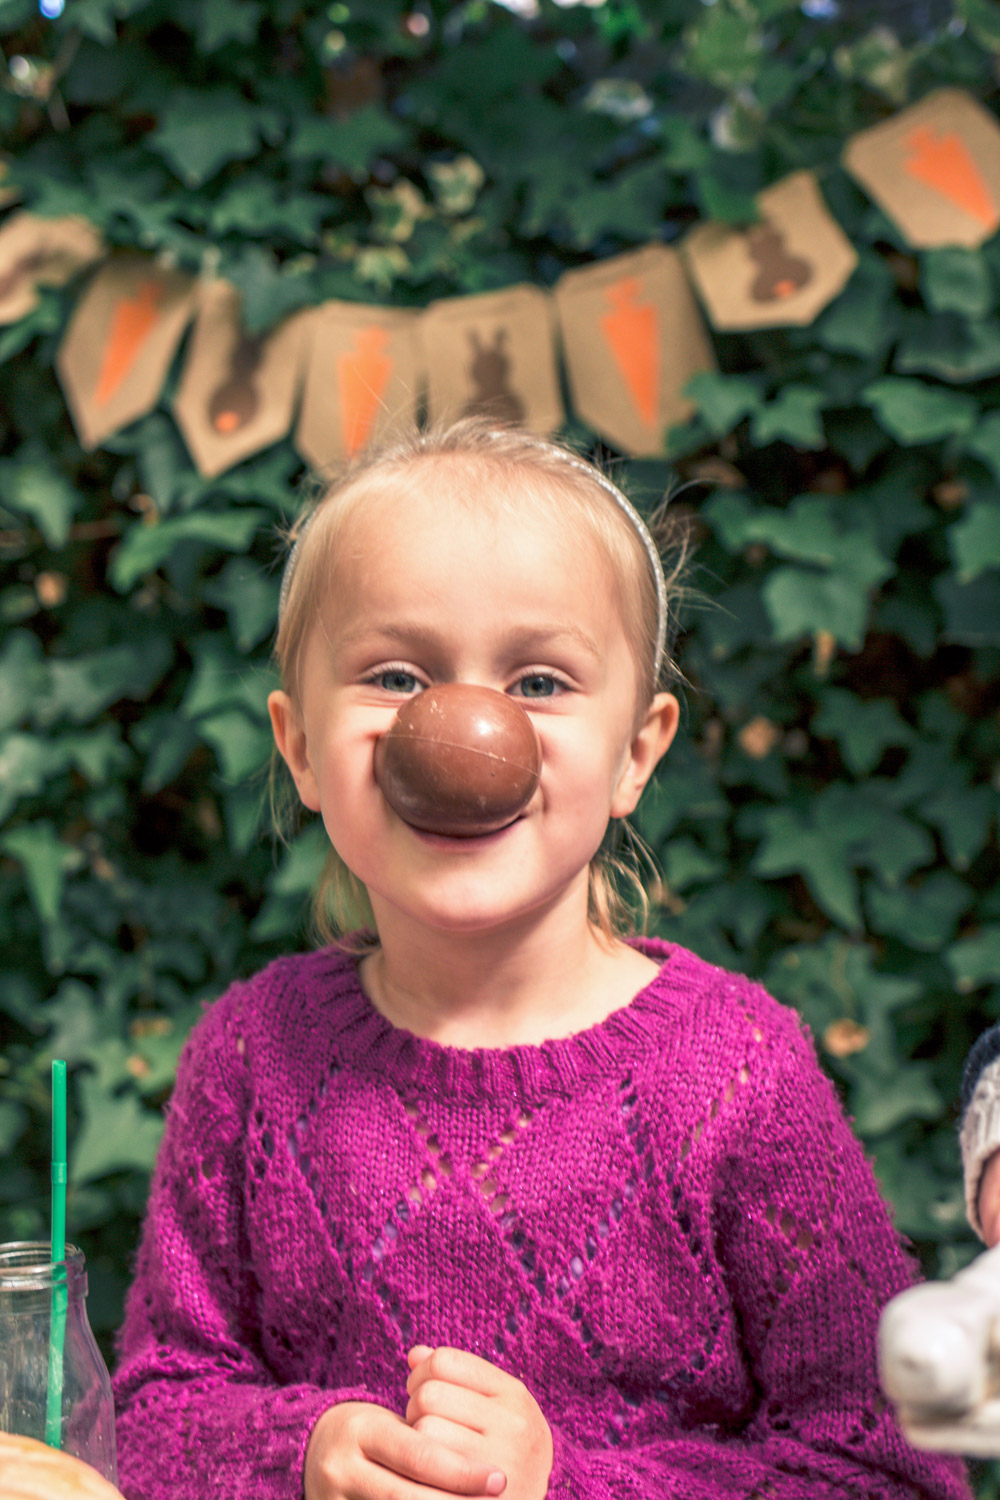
(616,891)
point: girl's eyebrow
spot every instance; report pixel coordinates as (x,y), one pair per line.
(520,639)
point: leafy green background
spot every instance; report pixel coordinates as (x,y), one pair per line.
(828,819)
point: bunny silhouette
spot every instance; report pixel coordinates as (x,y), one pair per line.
(489,371)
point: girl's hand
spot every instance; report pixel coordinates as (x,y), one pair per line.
(360,1451)
(484,1414)
(989,1200)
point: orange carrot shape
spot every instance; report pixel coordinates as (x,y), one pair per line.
(131,321)
(362,376)
(630,329)
(945,163)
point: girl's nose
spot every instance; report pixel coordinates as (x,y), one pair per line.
(459,759)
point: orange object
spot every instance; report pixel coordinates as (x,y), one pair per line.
(630,329)
(30,1470)
(945,163)
(362,376)
(131,321)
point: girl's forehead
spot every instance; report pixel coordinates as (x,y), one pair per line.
(473,500)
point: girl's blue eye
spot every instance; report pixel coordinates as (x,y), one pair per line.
(395,680)
(537,685)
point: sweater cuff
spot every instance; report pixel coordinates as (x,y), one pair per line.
(980,1136)
(283,1442)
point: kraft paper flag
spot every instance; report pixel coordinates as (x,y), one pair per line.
(40,252)
(493,355)
(362,379)
(123,334)
(934,169)
(237,394)
(632,337)
(780,271)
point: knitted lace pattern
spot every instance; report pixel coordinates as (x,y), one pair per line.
(662,1225)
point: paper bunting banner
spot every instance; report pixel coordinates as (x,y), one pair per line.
(632,338)
(934,169)
(41,252)
(236,394)
(778,272)
(362,378)
(122,336)
(493,355)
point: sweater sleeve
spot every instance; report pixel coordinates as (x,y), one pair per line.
(810,1257)
(980,1127)
(198,1410)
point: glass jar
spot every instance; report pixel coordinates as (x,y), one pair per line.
(83,1421)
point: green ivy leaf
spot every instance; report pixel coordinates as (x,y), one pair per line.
(202,130)
(97,18)
(975,960)
(879,1104)
(26,763)
(221,680)
(951,349)
(45,862)
(794,843)
(222,21)
(81,687)
(913,412)
(352,143)
(34,488)
(242,747)
(864,319)
(963,816)
(864,729)
(144,548)
(924,916)
(117,1134)
(269,291)
(250,598)
(723,400)
(723,46)
(957,280)
(23,677)
(983,19)
(793,415)
(971,610)
(167,740)
(985,442)
(300,869)
(974,540)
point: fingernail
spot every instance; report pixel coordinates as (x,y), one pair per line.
(497,1483)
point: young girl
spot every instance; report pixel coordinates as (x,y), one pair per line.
(492,1201)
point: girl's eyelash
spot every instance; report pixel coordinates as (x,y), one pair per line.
(392,669)
(560,683)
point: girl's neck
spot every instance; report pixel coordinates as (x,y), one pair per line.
(489,990)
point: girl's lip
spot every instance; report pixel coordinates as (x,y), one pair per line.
(463,841)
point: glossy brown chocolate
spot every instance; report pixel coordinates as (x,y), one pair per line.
(459,759)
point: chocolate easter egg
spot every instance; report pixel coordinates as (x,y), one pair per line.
(459,759)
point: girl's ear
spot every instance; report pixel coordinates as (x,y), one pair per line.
(650,743)
(290,738)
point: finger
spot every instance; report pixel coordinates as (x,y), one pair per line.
(411,1455)
(451,1434)
(456,1403)
(418,1353)
(459,1367)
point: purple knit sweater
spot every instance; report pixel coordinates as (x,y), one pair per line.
(662,1225)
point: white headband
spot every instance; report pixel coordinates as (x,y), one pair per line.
(624,505)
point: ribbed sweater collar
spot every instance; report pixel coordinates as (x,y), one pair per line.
(369,1044)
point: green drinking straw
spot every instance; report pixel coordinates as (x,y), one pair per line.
(57,1317)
